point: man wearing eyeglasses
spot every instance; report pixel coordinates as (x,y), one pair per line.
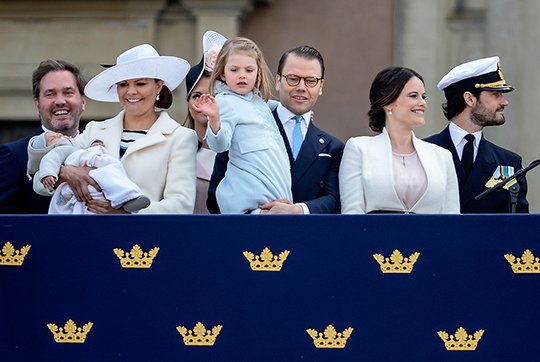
(314,155)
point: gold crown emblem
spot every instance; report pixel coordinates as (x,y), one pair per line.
(199,336)
(266,261)
(397,263)
(136,258)
(528,263)
(461,341)
(70,333)
(10,256)
(330,338)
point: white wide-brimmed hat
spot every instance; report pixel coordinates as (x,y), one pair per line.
(142,61)
(212,44)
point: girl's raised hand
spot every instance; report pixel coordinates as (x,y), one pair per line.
(207,105)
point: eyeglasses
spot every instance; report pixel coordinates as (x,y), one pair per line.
(294,80)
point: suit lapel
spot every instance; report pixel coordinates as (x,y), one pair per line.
(380,158)
(428,160)
(483,168)
(313,145)
(446,142)
(283,135)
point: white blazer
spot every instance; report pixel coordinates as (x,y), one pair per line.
(162,163)
(366,181)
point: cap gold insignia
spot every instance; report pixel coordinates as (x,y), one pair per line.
(499,83)
(267,261)
(10,256)
(136,258)
(199,336)
(330,338)
(70,333)
(527,264)
(397,263)
(461,341)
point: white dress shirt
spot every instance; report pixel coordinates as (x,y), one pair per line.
(458,139)
(288,121)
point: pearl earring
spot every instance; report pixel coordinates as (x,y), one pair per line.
(157,97)
(390,112)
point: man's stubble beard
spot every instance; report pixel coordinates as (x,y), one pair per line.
(481,117)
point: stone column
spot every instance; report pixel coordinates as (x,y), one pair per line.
(514,34)
(420,29)
(222,16)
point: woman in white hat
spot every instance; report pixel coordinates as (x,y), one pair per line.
(197,84)
(157,153)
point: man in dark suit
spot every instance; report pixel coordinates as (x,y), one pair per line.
(475,99)
(58,89)
(314,154)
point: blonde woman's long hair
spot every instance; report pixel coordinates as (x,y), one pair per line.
(263,84)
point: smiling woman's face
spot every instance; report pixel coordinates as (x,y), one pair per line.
(410,105)
(137,96)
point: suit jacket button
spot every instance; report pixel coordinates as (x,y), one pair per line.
(321,184)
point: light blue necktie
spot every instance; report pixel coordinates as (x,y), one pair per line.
(297,137)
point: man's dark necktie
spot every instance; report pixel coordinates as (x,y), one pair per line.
(467,158)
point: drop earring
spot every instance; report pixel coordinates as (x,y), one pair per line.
(389,112)
(157,97)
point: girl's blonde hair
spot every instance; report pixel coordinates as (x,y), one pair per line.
(263,82)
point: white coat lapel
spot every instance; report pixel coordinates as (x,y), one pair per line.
(110,132)
(386,182)
(164,125)
(428,160)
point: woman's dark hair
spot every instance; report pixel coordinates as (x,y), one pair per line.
(385,89)
(165,98)
(456,104)
(189,121)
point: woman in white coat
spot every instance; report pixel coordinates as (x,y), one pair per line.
(157,153)
(395,172)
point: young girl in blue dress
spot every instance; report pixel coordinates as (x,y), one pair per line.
(239,121)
